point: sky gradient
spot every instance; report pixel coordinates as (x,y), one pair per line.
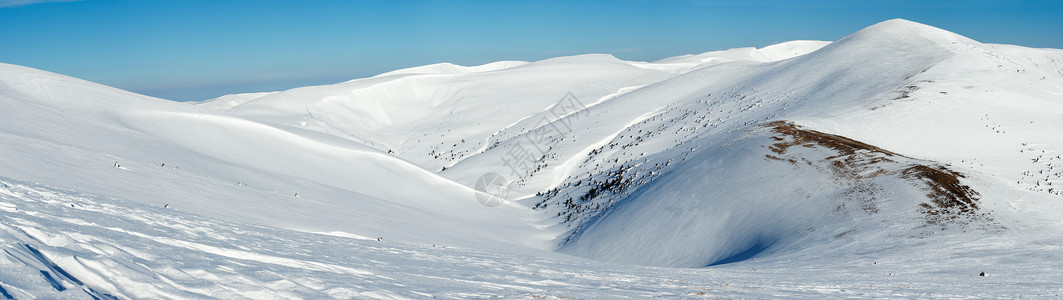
(199,49)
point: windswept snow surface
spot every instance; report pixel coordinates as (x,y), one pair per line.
(900,161)
(91,246)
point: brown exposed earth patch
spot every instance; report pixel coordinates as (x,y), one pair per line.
(799,136)
(949,197)
(855,163)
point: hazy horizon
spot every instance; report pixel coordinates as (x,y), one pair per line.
(196,50)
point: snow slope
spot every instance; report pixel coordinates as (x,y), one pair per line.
(421,113)
(110,247)
(916,98)
(899,161)
(101,140)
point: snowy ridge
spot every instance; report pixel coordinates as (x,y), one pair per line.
(776,52)
(230,101)
(860,91)
(449,68)
(899,161)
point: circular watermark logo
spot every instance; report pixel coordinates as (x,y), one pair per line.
(492,189)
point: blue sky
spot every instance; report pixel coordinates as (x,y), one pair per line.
(199,49)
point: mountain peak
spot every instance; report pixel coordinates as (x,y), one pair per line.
(900,23)
(905,31)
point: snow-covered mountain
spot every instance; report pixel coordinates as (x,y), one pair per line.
(901,160)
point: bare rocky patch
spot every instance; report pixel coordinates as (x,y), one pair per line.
(949,200)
